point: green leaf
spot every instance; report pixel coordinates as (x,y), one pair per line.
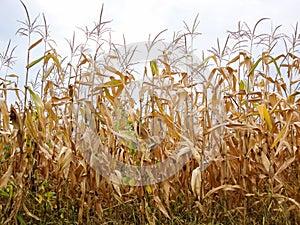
(126,180)
(154,67)
(112,83)
(205,61)
(36,99)
(34,62)
(57,64)
(245,86)
(50,195)
(148,189)
(254,66)
(260,59)
(242,85)
(3,193)
(21,220)
(6,155)
(131,182)
(108,96)
(275,63)
(10,190)
(103,139)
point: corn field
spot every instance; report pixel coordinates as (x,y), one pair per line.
(234,118)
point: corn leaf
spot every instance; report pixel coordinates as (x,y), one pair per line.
(4,114)
(36,99)
(112,83)
(225,187)
(278,138)
(12,75)
(285,165)
(292,97)
(34,62)
(265,161)
(55,59)
(161,206)
(265,115)
(5,178)
(113,70)
(275,63)
(48,72)
(154,68)
(254,66)
(35,44)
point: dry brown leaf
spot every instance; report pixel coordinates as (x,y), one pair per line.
(279,136)
(161,206)
(44,148)
(5,178)
(285,165)
(297,204)
(29,213)
(225,187)
(265,115)
(196,181)
(64,159)
(265,161)
(5,114)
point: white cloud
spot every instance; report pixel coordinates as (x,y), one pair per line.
(136,19)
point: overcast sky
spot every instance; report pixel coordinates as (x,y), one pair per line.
(136,19)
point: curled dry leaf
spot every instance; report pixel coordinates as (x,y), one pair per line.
(5,178)
(64,159)
(161,206)
(225,187)
(196,181)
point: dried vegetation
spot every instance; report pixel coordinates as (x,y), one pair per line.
(244,139)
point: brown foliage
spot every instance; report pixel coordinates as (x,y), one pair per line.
(244,136)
